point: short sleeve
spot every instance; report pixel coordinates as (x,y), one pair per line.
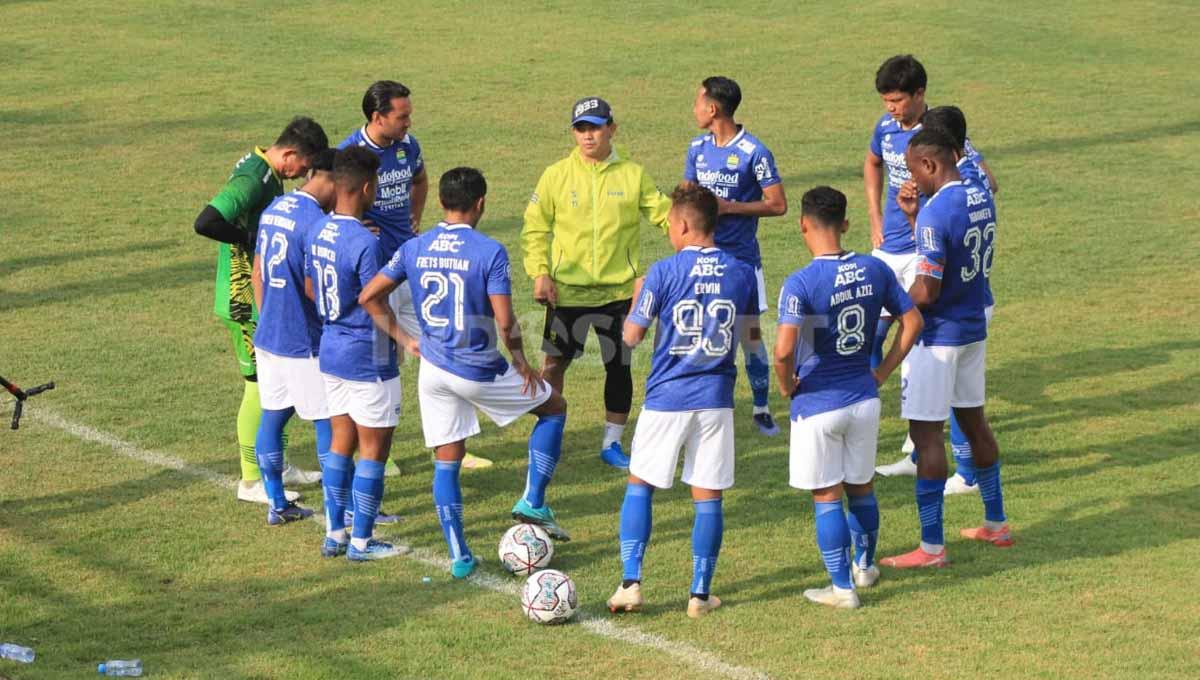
(645,308)
(418,162)
(394,268)
(792,303)
(876,143)
(972,152)
(368,263)
(689,163)
(765,171)
(260,244)
(499,274)
(895,299)
(931,245)
(235,198)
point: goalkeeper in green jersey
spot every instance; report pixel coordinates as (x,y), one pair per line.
(232,219)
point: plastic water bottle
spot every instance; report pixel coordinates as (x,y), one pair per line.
(121,669)
(16,653)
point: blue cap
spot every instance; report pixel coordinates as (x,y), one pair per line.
(592,110)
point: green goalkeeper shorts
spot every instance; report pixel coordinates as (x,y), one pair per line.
(242,335)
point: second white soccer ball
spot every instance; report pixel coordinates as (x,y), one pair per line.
(549,597)
(525,548)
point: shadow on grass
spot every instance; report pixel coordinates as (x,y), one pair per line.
(137,281)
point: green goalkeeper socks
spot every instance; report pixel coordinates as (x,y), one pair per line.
(247,429)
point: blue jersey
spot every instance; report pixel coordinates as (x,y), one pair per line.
(889,142)
(972,173)
(343,257)
(836,301)
(451,270)
(738,171)
(700,298)
(955,234)
(399,163)
(288,325)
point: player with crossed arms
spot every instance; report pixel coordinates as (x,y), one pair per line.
(460,283)
(955,230)
(827,320)
(702,300)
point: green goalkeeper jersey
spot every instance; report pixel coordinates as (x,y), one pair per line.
(251,187)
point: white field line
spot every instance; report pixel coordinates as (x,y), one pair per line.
(602,627)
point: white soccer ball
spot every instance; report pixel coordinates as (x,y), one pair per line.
(525,548)
(549,597)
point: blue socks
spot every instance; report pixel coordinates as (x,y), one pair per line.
(706,543)
(268,450)
(881,331)
(447,501)
(930,495)
(368,494)
(324,440)
(864,528)
(545,448)
(963,461)
(635,529)
(759,374)
(336,475)
(833,539)
(993,497)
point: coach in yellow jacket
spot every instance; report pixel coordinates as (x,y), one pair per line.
(581,236)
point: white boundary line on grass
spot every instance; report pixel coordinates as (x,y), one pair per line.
(602,627)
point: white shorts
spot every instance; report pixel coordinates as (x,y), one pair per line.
(401,303)
(370,404)
(934,379)
(904,266)
(286,382)
(706,437)
(448,402)
(835,446)
(763,305)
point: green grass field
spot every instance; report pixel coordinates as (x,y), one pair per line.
(121,119)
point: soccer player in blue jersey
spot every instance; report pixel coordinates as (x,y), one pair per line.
(737,167)
(955,231)
(460,280)
(288,335)
(827,315)
(973,170)
(403,187)
(357,361)
(702,301)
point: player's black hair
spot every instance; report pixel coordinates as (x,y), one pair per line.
(825,205)
(305,135)
(461,188)
(725,92)
(701,201)
(322,160)
(901,73)
(380,95)
(353,167)
(936,142)
(950,119)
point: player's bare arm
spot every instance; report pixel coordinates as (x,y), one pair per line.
(785,358)
(773,204)
(378,289)
(909,200)
(510,333)
(308,289)
(911,325)
(925,291)
(420,191)
(544,290)
(873,186)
